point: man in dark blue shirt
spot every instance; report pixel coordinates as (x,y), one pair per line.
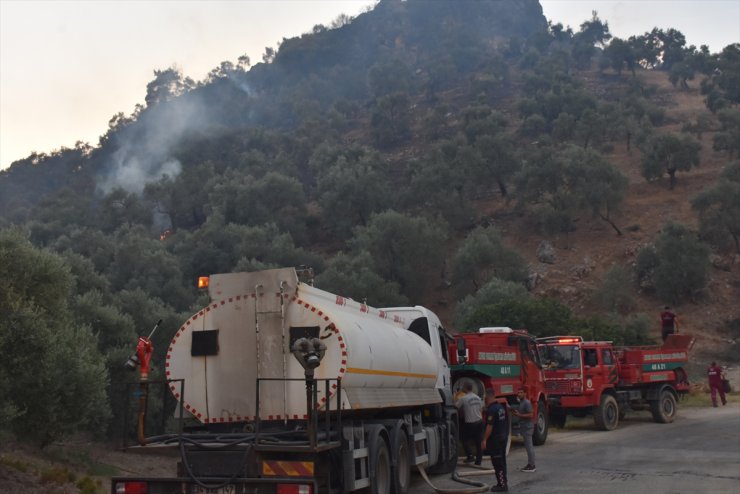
(495,438)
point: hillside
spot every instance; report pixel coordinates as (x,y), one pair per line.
(648,205)
(422,153)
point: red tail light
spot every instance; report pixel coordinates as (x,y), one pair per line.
(132,488)
(294,489)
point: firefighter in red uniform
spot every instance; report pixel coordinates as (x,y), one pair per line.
(668,322)
(714,372)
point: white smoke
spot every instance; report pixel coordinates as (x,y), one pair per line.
(145,148)
(132,172)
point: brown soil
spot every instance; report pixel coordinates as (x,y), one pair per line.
(61,467)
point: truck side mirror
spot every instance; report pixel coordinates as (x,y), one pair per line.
(462,351)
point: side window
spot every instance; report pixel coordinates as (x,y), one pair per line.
(606,357)
(533,353)
(590,357)
(421,327)
(443,344)
(522,343)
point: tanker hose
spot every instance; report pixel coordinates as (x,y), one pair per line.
(221,444)
(208,487)
(199,442)
(477,486)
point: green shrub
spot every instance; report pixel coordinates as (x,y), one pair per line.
(87,485)
(19,465)
(57,475)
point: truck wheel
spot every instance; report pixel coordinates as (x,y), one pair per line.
(606,415)
(541,426)
(401,471)
(380,463)
(448,465)
(664,408)
(478,387)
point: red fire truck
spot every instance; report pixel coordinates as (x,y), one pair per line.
(583,377)
(503,359)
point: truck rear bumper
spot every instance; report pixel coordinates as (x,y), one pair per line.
(241,485)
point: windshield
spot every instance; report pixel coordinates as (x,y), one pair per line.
(561,357)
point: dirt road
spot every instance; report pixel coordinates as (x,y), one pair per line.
(699,452)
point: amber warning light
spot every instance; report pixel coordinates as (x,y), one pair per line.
(203,282)
(568,340)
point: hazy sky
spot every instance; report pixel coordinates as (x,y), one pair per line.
(66,67)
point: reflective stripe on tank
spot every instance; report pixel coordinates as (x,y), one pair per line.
(380,372)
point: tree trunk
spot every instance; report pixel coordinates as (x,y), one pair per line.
(616,228)
(672,174)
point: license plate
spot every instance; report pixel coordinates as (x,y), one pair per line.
(227,489)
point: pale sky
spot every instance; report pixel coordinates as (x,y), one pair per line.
(66,67)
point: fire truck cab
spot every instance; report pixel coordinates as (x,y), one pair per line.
(504,360)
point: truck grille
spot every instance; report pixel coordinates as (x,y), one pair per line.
(559,387)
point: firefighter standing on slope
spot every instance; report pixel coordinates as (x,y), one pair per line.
(668,322)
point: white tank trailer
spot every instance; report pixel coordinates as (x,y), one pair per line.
(346,395)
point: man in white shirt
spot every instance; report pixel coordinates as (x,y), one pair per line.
(471,425)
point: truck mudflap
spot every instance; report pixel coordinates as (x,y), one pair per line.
(214,485)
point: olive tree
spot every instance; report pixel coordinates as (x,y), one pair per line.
(52,377)
(406,250)
(669,153)
(354,276)
(492,293)
(539,316)
(719,210)
(563,184)
(351,190)
(616,292)
(483,256)
(676,265)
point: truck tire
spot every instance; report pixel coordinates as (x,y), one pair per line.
(401,467)
(448,465)
(664,408)
(478,386)
(541,426)
(606,415)
(379,462)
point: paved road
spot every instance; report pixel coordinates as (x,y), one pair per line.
(698,452)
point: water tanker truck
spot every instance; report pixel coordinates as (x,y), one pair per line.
(598,378)
(296,390)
